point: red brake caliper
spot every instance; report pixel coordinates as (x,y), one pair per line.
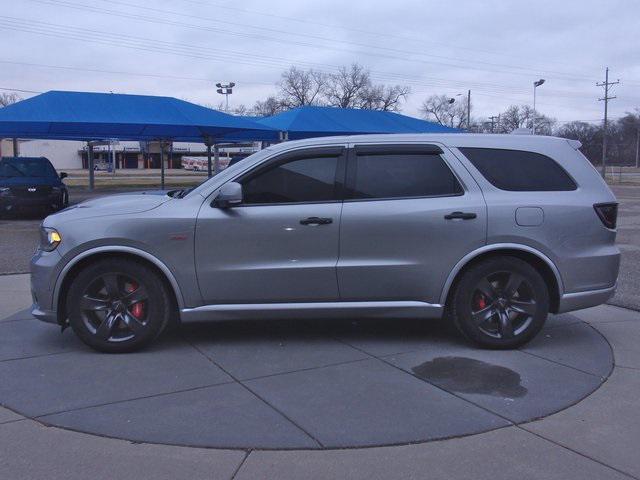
(137,309)
(481,302)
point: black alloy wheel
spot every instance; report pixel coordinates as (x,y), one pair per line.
(114,307)
(118,305)
(501,302)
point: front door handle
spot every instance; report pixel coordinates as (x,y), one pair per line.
(460,215)
(316,221)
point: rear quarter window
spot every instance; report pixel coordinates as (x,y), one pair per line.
(519,171)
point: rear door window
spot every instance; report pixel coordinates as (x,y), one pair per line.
(396,174)
(519,171)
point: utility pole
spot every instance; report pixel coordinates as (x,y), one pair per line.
(638,147)
(606,84)
(493,118)
(469,110)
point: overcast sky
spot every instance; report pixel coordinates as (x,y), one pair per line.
(496,48)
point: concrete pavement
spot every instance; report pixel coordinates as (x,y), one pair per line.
(595,439)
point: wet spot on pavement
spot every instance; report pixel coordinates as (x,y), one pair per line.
(467,375)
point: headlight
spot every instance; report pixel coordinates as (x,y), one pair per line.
(5,191)
(49,239)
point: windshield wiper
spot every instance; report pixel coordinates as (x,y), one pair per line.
(180,193)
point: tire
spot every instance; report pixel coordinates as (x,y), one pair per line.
(500,303)
(118,305)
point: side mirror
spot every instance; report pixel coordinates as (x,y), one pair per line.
(229,196)
(63,175)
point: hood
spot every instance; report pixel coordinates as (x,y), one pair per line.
(29,181)
(120,204)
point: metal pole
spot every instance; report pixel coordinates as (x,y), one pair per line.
(90,164)
(469,110)
(161,166)
(638,147)
(209,171)
(216,158)
(16,150)
(533,122)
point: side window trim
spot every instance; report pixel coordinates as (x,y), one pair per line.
(429,149)
(338,151)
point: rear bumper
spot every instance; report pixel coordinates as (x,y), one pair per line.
(580,300)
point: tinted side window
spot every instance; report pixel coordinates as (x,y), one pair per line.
(309,179)
(519,171)
(402,175)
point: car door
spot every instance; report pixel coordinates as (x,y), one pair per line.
(281,243)
(411,212)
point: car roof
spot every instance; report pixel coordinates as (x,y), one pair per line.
(480,140)
(44,159)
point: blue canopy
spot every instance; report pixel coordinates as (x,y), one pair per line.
(305,122)
(101,116)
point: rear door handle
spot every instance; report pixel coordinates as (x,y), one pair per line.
(460,215)
(316,221)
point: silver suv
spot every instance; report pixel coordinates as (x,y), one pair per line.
(493,231)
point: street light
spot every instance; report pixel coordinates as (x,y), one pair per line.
(225,89)
(535,85)
(452,100)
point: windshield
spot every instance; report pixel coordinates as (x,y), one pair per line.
(232,170)
(26,167)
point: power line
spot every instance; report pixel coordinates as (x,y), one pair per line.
(525,71)
(376,34)
(18,90)
(121,72)
(195,51)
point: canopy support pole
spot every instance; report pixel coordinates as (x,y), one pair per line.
(161,165)
(90,165)
(216,156)
(208,143)
(16,150)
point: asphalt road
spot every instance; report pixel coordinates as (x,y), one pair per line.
(19,238)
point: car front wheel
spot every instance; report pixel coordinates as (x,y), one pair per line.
(500,303)
(118,305)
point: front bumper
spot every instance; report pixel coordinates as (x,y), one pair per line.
(44,272)
(11,203)
(47,316)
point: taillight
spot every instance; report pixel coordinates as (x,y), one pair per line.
(608,213)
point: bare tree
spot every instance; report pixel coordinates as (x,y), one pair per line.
(443,110)
(241,110)
(521,116)
(301,87)
(348,86)
(384,97)
(7,99)
(270,106)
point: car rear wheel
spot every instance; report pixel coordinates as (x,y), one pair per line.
(500,303)
(118,305)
